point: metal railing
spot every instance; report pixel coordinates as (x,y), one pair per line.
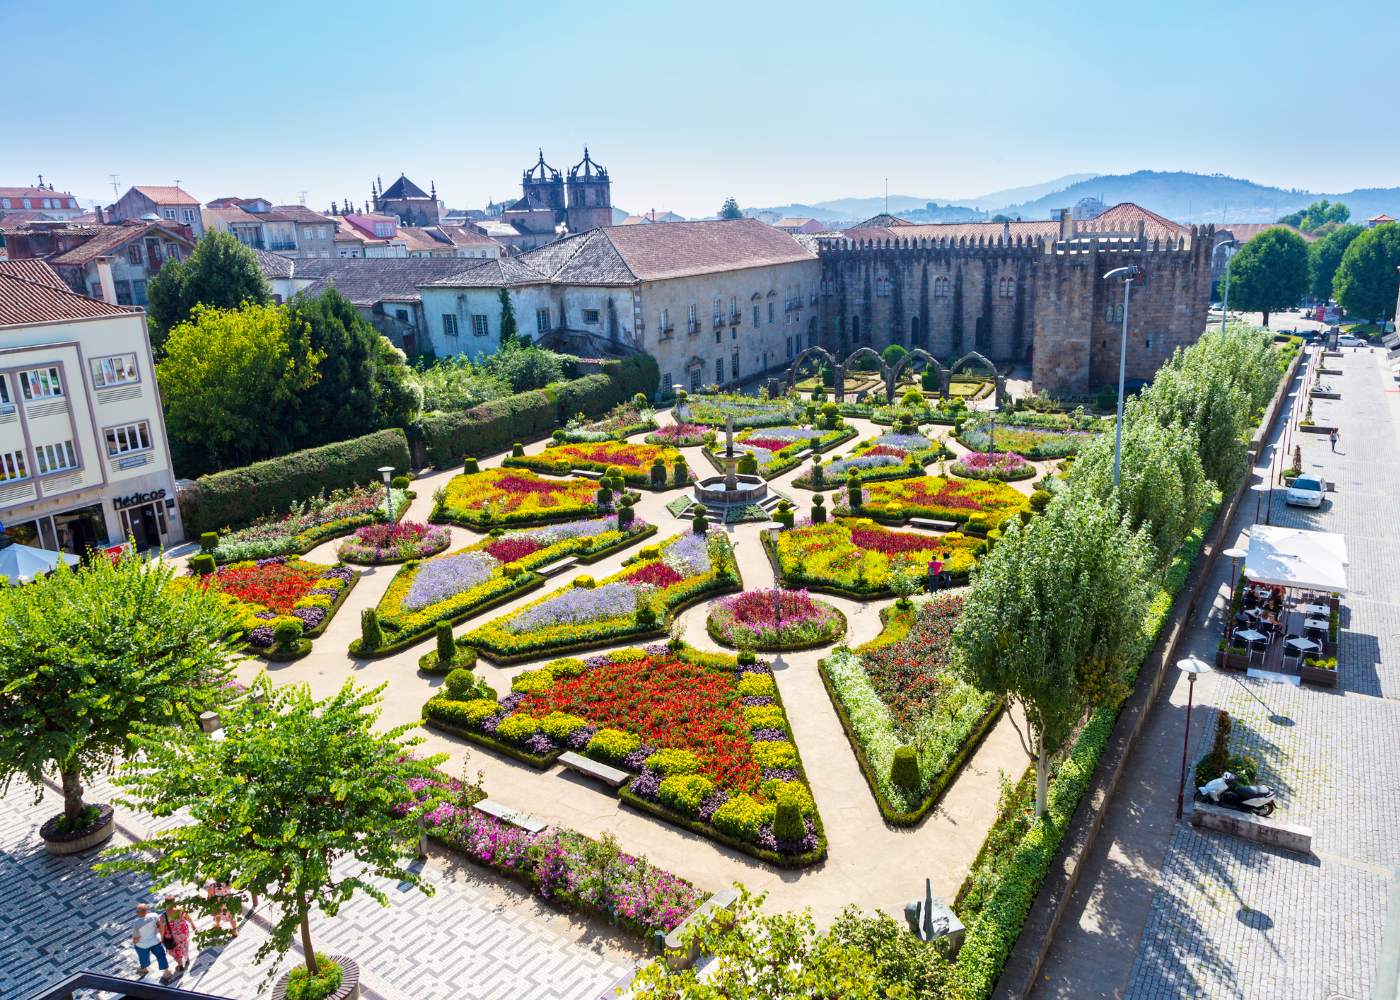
(135,989)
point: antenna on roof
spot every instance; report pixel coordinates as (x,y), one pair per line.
(114,184)
(887,196)
(301,196)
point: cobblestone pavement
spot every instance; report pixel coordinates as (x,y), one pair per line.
(485,939)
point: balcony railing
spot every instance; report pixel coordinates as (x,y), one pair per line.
(692,326)
(735,318)
(281,244)
(665,330)
(719,319)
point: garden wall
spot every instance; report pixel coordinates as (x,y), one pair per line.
(236,496)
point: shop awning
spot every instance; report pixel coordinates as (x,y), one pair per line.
(1297,559)
(23,563)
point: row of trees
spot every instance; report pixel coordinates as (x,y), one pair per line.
(1353,265)
(1054,619)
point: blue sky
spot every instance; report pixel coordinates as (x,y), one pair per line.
(688,103)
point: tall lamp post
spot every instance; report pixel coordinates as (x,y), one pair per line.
(1192,666)
(1127,275)
(1234,555)
(387,471)
(1228,248)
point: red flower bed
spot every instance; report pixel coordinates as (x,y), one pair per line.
(510,549)
(519,484)
(668,703)
(890,542)
(769,444)
(603,454)
(910,675)
(884,449)
(952,494)
(657,573)
(278,585)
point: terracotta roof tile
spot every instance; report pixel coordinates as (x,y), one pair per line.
(30,292)
(1243,232)
(166,195)
(108,240)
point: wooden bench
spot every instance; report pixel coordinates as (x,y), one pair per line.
(606,773)
(512,816)
(678,958)
(556,568)
(588,473)
(930,524)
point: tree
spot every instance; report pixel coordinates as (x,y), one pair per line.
(509,331)
(1318,214)
(526,367)
(1367,278)
(730,210)
(893,354)
(1053,621)
(87,654)
(1270,272)
(1183,395)
(1324,256)
(295,786)
(220,272)
(230,381)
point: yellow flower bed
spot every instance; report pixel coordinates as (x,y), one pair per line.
(514,497)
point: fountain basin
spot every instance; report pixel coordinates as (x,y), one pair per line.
(747,490)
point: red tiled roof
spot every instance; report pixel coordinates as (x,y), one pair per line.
(30,292)
(107,240)
(461,236)
(682,248)
(166,195)
(1120,218)
(1243,232)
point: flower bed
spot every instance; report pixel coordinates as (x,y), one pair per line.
(774,619)
(889,456)
(715,409)
(269,591)
(898,691)
(855,557)
(620,422)
(706,738)
(561,865)
(380,544)
(633,459)
(637,601)
(309,524)
(679,435)
(981,506)
(1030,441)
(454,586)
(779,449)
(1006,466)
(501,497)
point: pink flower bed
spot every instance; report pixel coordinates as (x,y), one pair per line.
(774,619)
(381,543)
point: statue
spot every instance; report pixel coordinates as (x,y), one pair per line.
(931,920)
(731,483)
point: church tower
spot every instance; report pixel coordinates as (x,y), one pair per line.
(543,186)
(590,196)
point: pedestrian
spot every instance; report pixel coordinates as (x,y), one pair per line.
(177,933)
(221,892)
(1333,437)
(146,937)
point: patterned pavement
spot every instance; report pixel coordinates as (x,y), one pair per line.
(1231,919)
(476,938)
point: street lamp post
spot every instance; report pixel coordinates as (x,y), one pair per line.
(1234,555)
(1225,295)
(1192,666)
(387,471)
(1127,275)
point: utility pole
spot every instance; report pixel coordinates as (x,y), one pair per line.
(115,193)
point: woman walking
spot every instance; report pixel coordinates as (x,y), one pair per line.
(221,891)
(179,931)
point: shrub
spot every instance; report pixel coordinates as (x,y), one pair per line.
(301,985)
(286,633)
(671,761)
(237,496)
(460,684)
(567,666)
(681,472)
(742,816)
(585,582)
(658,473)
(613,744)
(517,727)
(517,450)
(685,792)
(532,681)
(748,464)
(558,725)
(208,541)
(202,564)
(1040,499)
(399,483)
(787,816)
(646,613)
(818,509)
(698,524)
(913,399)
(904,770)
(446,648)
(470,466)
(467,714)
(371,635)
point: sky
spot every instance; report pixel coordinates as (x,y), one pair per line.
(689,103)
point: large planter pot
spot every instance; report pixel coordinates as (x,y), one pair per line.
(1319,676)
(83,840)
(1316,428)
(1231,661)
(349,982)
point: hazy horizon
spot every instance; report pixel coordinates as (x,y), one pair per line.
(770,105)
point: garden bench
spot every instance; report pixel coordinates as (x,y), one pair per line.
(606,773)
(932,525)
(588,473)
(676,958)
(556,568)
(512,816)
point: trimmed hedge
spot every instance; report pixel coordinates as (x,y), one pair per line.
(235,497)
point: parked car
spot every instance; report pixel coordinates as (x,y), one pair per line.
(1306,491)
(1347,340)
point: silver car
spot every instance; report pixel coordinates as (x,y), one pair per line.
(1306,491)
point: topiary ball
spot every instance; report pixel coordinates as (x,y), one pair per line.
(460,684)
(203,564)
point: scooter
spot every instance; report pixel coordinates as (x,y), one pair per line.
(1231,793)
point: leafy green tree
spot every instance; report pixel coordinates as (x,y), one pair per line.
(527,367)
(1318,214)
(87,654)
(220,272)
(1183,394)
(1053,622)
(1367,278)
(510,332)
(730,210)
(893,354)
(230,380)
(295,786)
(1325,255)
(456,384)
(1162,487)
(1270,272)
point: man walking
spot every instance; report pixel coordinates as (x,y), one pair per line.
(1333,438)
(146,937)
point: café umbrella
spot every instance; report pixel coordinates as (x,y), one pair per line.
(25,563)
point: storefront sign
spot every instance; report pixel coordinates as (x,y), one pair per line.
(137,498)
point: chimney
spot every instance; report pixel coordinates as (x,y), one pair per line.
(1142,230)
(101,215)
(104,278)
(1066,224)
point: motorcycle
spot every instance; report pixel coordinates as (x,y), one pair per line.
(1231,793)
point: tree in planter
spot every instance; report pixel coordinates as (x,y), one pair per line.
(295,786)
(87,654)
(1053,621)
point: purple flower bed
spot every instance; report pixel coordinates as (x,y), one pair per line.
(689,556)
(767,735)
(768,840)
(904,442)
(861,463)
(440,579)
(577,606)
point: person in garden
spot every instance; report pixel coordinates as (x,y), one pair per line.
(145,935)
(178,931)
(221,891)
(1333,436)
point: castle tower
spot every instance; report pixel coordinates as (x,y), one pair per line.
(544,185)
(590,196)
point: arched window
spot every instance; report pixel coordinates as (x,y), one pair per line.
(1008,287)
(914,336)
(812,332)
(855,329)
(941,287)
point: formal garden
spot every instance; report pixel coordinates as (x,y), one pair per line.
(779,448)
(505,497)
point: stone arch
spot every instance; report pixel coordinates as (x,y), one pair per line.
(975,358)
(861,352)
(819,353)
(929,361)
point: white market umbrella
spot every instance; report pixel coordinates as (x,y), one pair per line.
(1296,559)
(24,563)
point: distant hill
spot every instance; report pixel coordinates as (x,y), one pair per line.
(1012,196)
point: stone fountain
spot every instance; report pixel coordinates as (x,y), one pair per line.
(732,489)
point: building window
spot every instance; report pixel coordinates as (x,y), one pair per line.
(789,347)
(169,213)
(133,253)
(719,312)
(127,438)
(734,366)
(755,317)
(172,252)
(771,320)
(666,384)
(1008,288)
(138,291)
(692,320)
(941,287)
(41,383)
(119,369)
(719,370)
(188,215)
(58,457)
(855,329)
(733,308)
(449,325)
(12,466)
(664,330)
(479,327)
(590,316)
(542,320)
(719,336)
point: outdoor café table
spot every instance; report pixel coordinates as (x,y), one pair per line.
(1250,636)
(1302,645)
(1316,624)
(1314,609)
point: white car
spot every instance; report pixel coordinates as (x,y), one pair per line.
(1306,491)
(1347,340)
